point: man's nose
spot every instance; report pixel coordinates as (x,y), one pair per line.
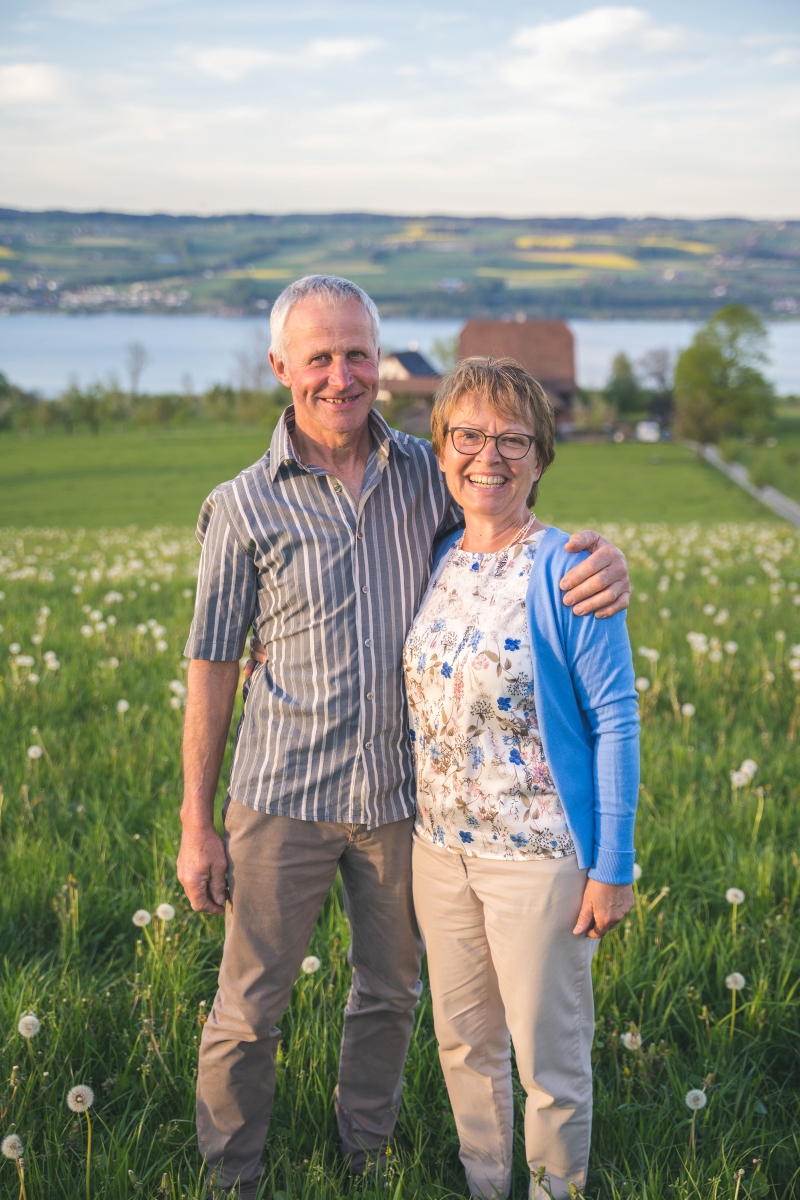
(340,376)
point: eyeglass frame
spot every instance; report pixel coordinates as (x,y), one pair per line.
(495,437)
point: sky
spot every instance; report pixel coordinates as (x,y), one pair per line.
(668,107)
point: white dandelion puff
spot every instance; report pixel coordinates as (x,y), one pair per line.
(739,779)
(165,912)
(122,706)
(734,896)
(642,684)
(141,918)
(731,647)
(175,702)
(632,1041)
(637,872)
(12,1147)
(688,710)
(14,648)
(161,646)
(87,631)
(34,752)
(310,964)
(80,1098)
(735,981)
(709,610)
(29,1025)
(749,767)
(696,1099)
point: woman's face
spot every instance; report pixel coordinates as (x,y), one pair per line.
(486,483)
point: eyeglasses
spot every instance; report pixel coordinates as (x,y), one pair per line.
(509,445)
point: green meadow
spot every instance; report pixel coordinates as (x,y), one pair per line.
(149,478)
(93,617)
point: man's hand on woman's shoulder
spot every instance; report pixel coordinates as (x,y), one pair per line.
(600,584)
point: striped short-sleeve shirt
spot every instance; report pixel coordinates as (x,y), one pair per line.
(331,589)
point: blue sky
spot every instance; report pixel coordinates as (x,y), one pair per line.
(514,109)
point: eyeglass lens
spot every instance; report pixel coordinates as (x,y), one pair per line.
(509,445)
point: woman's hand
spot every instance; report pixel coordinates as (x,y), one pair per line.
(257,655)
(604,905)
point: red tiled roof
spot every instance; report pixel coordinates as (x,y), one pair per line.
(545,348)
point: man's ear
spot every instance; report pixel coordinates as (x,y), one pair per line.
(280,370)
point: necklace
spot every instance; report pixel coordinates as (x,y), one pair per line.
(518,536)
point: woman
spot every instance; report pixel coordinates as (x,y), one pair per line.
(524,721)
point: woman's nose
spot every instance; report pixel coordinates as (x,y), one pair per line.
(490,453)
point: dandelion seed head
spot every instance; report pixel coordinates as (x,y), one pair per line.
(631,1041)
(665,613)
(12,1146)
(749,767)
(780,636)
(735,981)
(165,912)
(310,964)
(642,684)
(87,631)
(731,647)
(34,752)
(688,710)
(696,1099)
(80,1098)
(14,648)
(637,872)
(122,706)
(29,1025)
(739,779)
(141,918)
(734,896)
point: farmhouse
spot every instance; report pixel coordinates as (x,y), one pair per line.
(545,348)
(406,373)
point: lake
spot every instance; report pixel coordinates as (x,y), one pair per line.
(43,352)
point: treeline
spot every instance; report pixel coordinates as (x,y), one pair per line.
(102,405)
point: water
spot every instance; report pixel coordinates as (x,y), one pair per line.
(42,352)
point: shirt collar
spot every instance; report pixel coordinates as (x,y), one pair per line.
(282,451)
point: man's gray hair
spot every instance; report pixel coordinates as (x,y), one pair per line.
(332,288)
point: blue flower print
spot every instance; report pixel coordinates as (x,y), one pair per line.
(475,641)
(504,704)
(421,662)
(412,735)
(511,644)
(464,835)
(476,566)
(437,626)
(477,756)
(516,758)
(519,839)
(447,670)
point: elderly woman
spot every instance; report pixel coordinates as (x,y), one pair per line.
(525,728)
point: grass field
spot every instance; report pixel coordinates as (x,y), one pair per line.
(155,478)
(89,835)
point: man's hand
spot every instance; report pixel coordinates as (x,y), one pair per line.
(209,704)
(257,655)
(604,906)
(202,864)
(600,584)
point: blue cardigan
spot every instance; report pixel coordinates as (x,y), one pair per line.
(588,712)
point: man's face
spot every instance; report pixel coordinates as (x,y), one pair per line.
(330,364)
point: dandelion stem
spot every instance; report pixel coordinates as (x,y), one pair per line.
(23,1195)
(734,907)
(691,1133)
(733,1013)
(88,1156)
(739,1177)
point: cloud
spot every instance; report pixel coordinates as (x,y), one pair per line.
(232,63)
(31,83)
(597,55)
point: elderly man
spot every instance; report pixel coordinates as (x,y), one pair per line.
(323,546)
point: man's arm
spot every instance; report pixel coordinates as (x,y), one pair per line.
(600,584)
(209,705)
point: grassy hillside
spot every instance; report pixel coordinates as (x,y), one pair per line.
(152,478)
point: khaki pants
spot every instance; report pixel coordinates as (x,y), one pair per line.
(503,961)
(279,872)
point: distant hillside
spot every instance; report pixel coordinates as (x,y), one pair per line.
(427,266)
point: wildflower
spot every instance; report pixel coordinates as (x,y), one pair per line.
(122,706)
(731,647)
(187,593)
(739,779)
(749,768)
(735,981)
(631,1041)
(688,710)
(175,702)
(80,1098)
(14,648)
(161,645)
(310,964)
(696,1099)
(637,872)
(642,684)
(95,615)
(24,660)
(665,614)
(87,631)
(734,896)
(709,610)
(780,636)
(12,1146)
(643,597)
(141,630)
(29,1025)
(34,752)
(721,617)
(178,687)
(165,912)
(141,918)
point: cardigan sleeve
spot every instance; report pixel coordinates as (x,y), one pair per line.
(599,657)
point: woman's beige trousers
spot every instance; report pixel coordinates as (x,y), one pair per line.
(505,966)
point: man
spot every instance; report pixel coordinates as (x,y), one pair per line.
(323,546)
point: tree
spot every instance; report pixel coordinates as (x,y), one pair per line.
(719,389)
(623,390)
(656,368)
(136,361)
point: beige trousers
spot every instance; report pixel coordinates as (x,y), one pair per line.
(279,872)
(505,966)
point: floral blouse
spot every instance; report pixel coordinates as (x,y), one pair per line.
(483,784)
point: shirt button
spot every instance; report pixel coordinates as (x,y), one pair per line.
(368,641)
(337,487)
(365,588)
(359,534)
(370,695)
(367,745)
